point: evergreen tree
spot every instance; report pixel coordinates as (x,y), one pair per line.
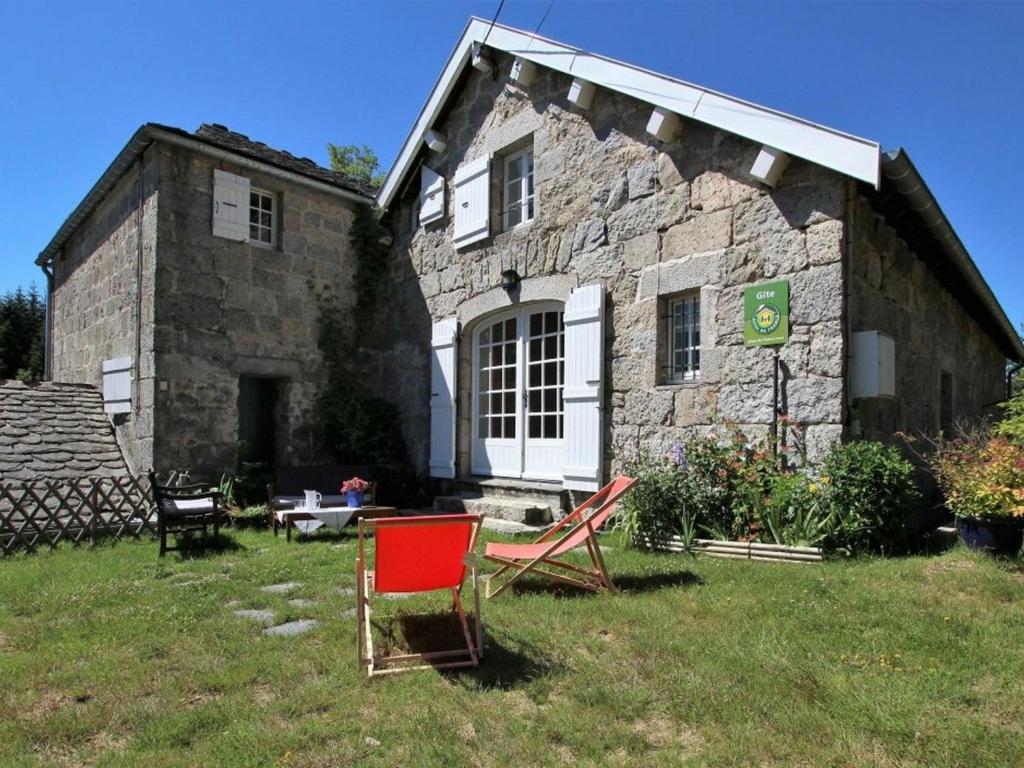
(22,334)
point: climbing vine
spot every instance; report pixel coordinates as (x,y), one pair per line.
(368,239)
(356,427)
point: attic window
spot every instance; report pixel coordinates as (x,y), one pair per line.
(262,218)
(518,189)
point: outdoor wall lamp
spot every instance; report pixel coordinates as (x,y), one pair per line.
(510,280)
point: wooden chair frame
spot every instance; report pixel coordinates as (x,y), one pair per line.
(594,579)
(185,520)
(376,665)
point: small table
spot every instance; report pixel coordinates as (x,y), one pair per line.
(333,517)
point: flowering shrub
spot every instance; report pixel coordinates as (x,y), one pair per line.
(798,512)
(725,479)
(716,483)
(982,477)
(355,484)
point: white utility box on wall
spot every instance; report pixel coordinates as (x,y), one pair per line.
(873,365)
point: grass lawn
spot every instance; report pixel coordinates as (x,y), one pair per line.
(109,657)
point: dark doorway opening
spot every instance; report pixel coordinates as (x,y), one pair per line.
(257,419)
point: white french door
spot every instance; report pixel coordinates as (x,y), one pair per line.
(519,371)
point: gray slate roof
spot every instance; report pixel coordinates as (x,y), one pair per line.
(220,136)
(55,431)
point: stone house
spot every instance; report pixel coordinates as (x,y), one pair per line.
(573,240)
(185,284)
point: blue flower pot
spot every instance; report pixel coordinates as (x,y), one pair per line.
(354,498)
(997,537)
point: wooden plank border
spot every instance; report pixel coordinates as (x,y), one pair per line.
(739,550)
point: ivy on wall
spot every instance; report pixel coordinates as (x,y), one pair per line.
(357,427)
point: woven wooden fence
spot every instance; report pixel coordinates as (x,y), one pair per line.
(46,512)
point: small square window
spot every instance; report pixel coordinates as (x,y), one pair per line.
(262,218)
(681,324)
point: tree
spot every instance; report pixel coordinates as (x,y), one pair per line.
(360,163)
(22,334)
(1016,374)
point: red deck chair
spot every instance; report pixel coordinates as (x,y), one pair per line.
(418,554)
(575,529)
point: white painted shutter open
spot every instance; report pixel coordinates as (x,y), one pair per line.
(472,202)
(584,367)
(230,205)
(442,397)
(117,385)
(431,195)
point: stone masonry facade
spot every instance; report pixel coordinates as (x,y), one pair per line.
(145,277)
(648,220)
(212,310)
(893,291)
(226,309)
(103,304)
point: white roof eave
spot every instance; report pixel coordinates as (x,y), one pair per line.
(846,154)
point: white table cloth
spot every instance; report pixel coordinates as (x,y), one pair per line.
(333,517)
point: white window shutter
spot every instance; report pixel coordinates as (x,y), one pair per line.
(442,397)
(584,370)
(472,202)
(117,385)
(230,205)
(431,195)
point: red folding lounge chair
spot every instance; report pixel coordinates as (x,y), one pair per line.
(574,530)
(418,554)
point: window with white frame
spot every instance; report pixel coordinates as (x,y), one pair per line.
(262,217)
(682,338)
(518,189)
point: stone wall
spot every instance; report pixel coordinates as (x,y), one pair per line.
(227,309)
(98,290)
(647,220)
(893,291)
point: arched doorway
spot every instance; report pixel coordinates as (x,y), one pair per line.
(518,375)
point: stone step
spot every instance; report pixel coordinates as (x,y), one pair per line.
(511,528)
(518,510)
(550,494)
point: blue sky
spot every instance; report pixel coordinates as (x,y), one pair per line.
(942,80)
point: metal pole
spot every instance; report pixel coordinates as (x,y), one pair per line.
(774,428)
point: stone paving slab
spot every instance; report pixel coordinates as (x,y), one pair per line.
(301,602)
(291,628)
(280,589)
(260,617)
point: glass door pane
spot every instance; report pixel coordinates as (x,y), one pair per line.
(545,373)
(497,380)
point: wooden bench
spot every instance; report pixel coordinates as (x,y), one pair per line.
(291,483)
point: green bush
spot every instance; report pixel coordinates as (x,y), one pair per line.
(1012,424)
(872,494)
(656,507)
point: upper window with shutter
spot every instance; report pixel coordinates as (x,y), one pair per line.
(517,187)
(242,212)
(431,196)
(262,218)
(472,202)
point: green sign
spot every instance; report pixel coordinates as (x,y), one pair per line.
(766,314)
